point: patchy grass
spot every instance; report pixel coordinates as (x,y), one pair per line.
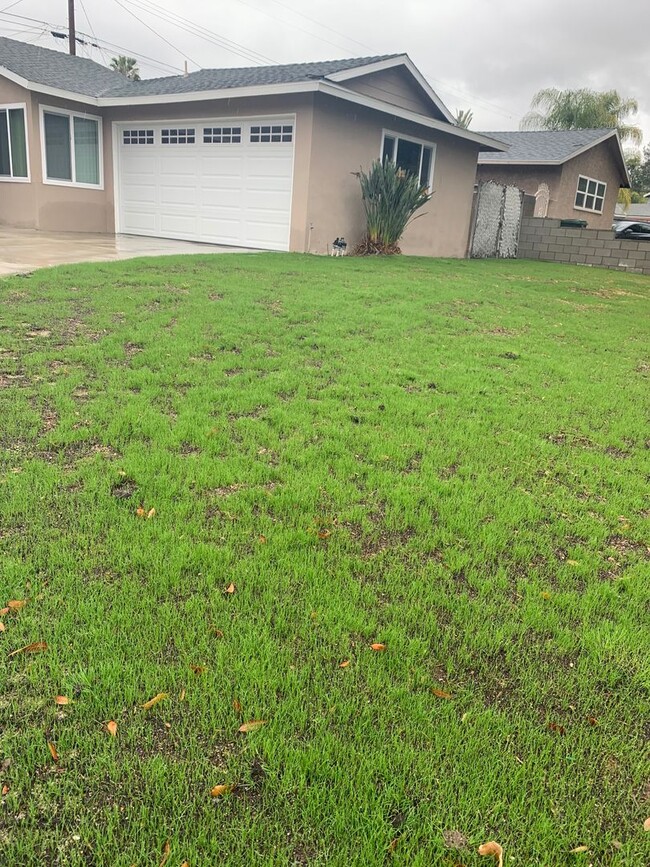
(448,458)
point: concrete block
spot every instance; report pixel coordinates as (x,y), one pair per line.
(562,257)
(594,260)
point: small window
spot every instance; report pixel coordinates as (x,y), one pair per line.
(138,137)
(13,144)
(411,156)
(72,144)
(590,195)
(272,133)
(222,135)
(178,136)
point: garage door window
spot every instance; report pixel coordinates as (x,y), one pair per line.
(222,135)
(178,136)
(13,144)
(261,134)
(138,137)
(590,195)
(72,145)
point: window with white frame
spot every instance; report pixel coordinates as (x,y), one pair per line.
(414,157)
(13,143)
(72,148)
(590,195)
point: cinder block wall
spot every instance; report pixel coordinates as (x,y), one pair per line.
(542,238)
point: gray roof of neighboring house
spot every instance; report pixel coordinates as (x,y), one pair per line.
(543,146)
(52,68)
(633,211)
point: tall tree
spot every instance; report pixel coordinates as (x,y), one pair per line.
(464,116)
(583,109)
(128,66)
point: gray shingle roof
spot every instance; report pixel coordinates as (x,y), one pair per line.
(79,75)
(543,145)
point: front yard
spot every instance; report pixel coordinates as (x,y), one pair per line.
(224,479)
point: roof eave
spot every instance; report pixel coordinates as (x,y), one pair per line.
(390,63)
(46,89)
(388,108)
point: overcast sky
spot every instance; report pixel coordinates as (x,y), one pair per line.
(487,55)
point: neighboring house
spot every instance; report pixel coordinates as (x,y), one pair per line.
(574,174)
(261,157)
(636,212)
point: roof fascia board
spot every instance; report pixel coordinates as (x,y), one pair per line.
(202,95)
(49,91)
(422,120)
(391,63)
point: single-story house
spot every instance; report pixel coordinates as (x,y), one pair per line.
(573,174)
(261,157)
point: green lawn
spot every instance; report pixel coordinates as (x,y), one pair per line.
(447,458)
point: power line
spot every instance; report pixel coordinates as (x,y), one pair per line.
(90,27)
(202,32)
(48,25)
(320,24)
(160,36)
(11,5)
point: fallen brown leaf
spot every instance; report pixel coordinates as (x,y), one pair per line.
(217,791)
(236,705)
(252,726)
(592,721)
(111,728)
(218,633)
(34,647)
(646,824)
(3,611)
(378,647)
(555,727)
(2,627)
(166,852)
(152,701)
(440,693)
(151,513)
(181,697)
(578,850)
(617,844)
(62,699)
(344,664)
(198,669)
(185,864)
(16,604)
(324,534)
(140,512)
(393,845)
(230,588)
(492,848)
(53,751)
(5,789)
(261,539)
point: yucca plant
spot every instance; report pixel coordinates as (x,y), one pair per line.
(391,197)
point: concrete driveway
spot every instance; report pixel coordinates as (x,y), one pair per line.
(23,250)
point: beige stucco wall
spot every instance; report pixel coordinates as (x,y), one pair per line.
(599,162)
(17,198)
(395,86)
(348,137)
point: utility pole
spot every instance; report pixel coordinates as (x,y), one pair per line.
(72,35)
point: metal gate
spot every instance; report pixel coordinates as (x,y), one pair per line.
(498,218)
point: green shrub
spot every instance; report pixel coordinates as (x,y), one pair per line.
(391,197)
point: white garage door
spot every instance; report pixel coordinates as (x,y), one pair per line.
(218,181)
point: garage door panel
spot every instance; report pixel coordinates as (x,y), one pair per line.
(230,193)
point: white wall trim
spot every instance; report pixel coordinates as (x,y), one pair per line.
(390,63)
(404,114)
